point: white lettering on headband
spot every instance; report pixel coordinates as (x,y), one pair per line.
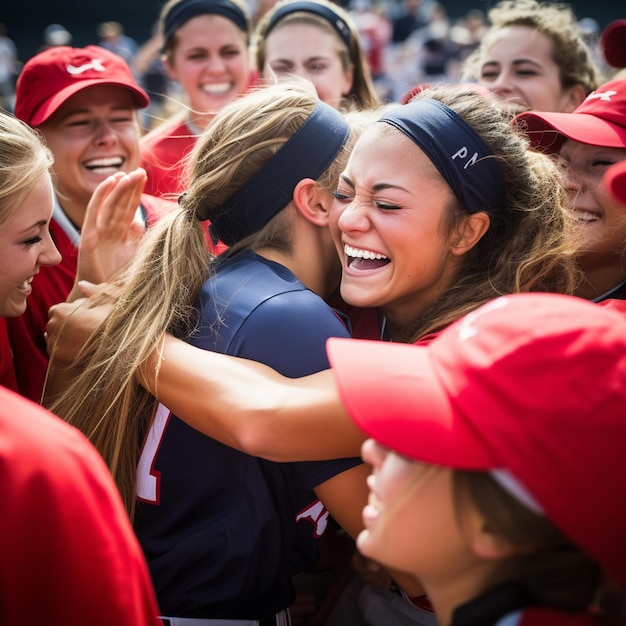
(456,150)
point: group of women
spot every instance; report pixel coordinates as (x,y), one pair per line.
(408,218)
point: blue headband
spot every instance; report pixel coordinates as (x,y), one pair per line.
(456,150)
(321,10)
(307,154)
(186,9)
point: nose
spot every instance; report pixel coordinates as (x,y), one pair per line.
(501,86)
(104,134)
(50,254)
(353,217)
(215,64)
(573,179)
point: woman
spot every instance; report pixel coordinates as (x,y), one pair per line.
(262,299)
(205,49)
(465,492)
(66,514)
(533,57)
(84,102)
(588,141)
(318,41)
(518,238)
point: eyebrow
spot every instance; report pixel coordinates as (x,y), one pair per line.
(38,224)
(376,187)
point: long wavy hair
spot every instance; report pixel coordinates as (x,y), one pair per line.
(158,291)
(530,246)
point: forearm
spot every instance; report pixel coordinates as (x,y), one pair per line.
(249,406)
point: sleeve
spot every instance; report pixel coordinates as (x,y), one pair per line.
(69,555)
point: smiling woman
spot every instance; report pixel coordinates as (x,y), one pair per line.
(533,57)
(316,40)
(588,141)
(25,211)
(205,50)
(84,103)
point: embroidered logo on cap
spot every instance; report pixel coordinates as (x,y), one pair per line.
(96,64)
(604,96)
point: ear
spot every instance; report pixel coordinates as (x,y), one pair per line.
(348,77)
(469,233)
(489,546)
(312,202)
(571,98)
(171,72)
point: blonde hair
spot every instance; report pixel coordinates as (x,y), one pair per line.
(529,246)
(159,289)
(362,94)
(25,161)
(558,22)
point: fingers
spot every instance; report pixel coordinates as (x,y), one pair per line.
(117,209)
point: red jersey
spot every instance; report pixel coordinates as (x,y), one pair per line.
(164,151)
(51,286)
(69,554)
(7,371)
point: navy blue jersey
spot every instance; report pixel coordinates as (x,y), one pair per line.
(223,532)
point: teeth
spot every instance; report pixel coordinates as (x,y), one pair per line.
(110,162)
(586,216)
(362,254)
(216,88)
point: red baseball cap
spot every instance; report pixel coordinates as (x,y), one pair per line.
(532,386)
(613,43)
(53,76)
(600,120)
(615,181)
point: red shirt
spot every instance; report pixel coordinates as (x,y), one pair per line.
(69,555)
(51,286)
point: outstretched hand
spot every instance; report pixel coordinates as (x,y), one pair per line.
(110,232)
(72,324)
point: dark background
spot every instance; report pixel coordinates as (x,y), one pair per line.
(26,19)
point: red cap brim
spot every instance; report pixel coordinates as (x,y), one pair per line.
(547,130)
(50,106)
(393,393)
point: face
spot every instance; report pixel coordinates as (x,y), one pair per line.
(210,61)
(92,135)
(519,69)
(388,223)
(602,217)
(26,246)
(411,522)
(311,53)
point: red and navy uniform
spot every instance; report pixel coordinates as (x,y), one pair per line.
(223,532)
(51,286)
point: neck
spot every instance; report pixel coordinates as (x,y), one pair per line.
(311,258)
(600,279)
(74,209)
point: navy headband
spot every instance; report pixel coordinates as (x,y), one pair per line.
(456,150)
(307,154)
(186,9)
(335,20)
